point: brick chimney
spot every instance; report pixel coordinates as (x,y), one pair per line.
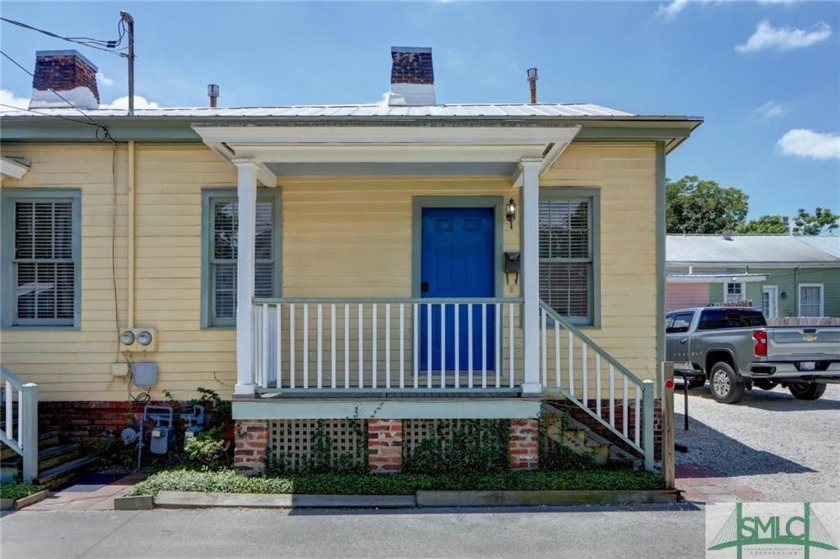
(412,77)
(68,73)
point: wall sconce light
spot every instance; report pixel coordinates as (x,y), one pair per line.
(510,212)
(783,295)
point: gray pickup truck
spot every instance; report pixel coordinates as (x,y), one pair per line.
(735,350)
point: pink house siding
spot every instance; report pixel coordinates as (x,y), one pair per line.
(682,295)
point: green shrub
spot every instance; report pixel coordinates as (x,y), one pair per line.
(229,481)
(15,490)
(465,447)
(208,449)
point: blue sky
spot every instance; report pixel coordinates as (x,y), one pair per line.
(764,75)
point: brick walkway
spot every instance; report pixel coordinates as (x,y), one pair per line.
(704,485)
(87,493)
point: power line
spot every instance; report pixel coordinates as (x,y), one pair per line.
(98,44)
(16,63)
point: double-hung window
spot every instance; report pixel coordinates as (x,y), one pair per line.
(41,232)
(733,292)
(568,248)
(220,222)
(810,299)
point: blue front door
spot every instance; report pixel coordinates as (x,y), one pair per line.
(457,261)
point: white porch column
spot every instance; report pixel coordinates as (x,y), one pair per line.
(530,209)
(247,192)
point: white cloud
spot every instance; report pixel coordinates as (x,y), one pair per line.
(810,144)
(672,10)
(8,98)
(771,109)
(104,80)
(768,37)
(122,103)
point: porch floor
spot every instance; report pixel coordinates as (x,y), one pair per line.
(385,394)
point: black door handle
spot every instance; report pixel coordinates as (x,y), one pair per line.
(424,287)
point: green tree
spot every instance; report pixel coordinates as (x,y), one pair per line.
(766,225)
(703,207)
(822,221)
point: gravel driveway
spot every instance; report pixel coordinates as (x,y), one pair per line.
(787,449)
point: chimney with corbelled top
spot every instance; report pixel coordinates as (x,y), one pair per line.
(67,73)
(412,77)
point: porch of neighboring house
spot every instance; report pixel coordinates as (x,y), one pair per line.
(457,348)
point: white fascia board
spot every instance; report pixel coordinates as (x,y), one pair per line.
(11,168)
(385,134)
(384,153)
(717,278)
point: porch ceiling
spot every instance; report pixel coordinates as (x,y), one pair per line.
(285,151)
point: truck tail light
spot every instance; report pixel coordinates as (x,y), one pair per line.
(760,337)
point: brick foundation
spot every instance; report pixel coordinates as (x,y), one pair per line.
(251,445)
(88,422)
(385,441)
(524,444)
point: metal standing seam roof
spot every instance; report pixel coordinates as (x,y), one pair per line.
(489,110)
(752,249)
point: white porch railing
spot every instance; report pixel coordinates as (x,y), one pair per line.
(589,377)
(20,430)
(387,344)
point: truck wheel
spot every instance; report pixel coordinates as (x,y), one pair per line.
(807,390)
(727,386)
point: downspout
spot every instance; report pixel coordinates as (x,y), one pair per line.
(661,263)
(131,233)
(796,291)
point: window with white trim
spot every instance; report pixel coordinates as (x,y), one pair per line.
(41,257)
(219,264)
(810,299)
(568,253)
(733,292)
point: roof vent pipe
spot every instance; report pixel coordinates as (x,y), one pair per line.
(532,80)
(213,94)
(727,234)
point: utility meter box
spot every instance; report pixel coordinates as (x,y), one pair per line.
(161,440)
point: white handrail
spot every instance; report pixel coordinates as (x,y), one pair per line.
(21,430)
(631,395)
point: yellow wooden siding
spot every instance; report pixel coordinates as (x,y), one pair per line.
(348,237)
(76,364)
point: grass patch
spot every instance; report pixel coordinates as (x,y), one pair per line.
(14,490)
(228,481)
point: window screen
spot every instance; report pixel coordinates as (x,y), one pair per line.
(566,256)
(223,262)
(44,262)
(810,300)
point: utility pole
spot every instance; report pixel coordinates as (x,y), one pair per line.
(126,17)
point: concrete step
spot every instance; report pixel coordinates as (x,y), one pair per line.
(46,438)
(64,472)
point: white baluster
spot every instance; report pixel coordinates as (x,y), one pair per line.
(558,363)
(637,412)
(470,345)
(361,346)
(543,347)
(497,364)
(598,384)
(292,335)
(305,345)
(262,383)
(388,345)
(320,346)
(624,415)
(612,395)
(346,345)
(484,335)
(571,363)
(332,347)
(429,345)
(457,337)
(402,345)
(279,318)
(373,357)
(443,345)
(416,349)
(585,366)
(512,347)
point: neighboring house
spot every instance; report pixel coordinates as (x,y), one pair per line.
(329,262)
(785,276)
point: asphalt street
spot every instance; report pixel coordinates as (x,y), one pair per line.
(666,531)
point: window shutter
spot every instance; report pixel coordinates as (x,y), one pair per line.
(44,261)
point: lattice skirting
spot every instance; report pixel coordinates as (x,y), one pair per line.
(300,441)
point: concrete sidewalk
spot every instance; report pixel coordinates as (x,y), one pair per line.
(89,492)
(704,485)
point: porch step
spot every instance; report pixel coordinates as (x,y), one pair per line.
(64,472)
(581,439)
(46,439)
